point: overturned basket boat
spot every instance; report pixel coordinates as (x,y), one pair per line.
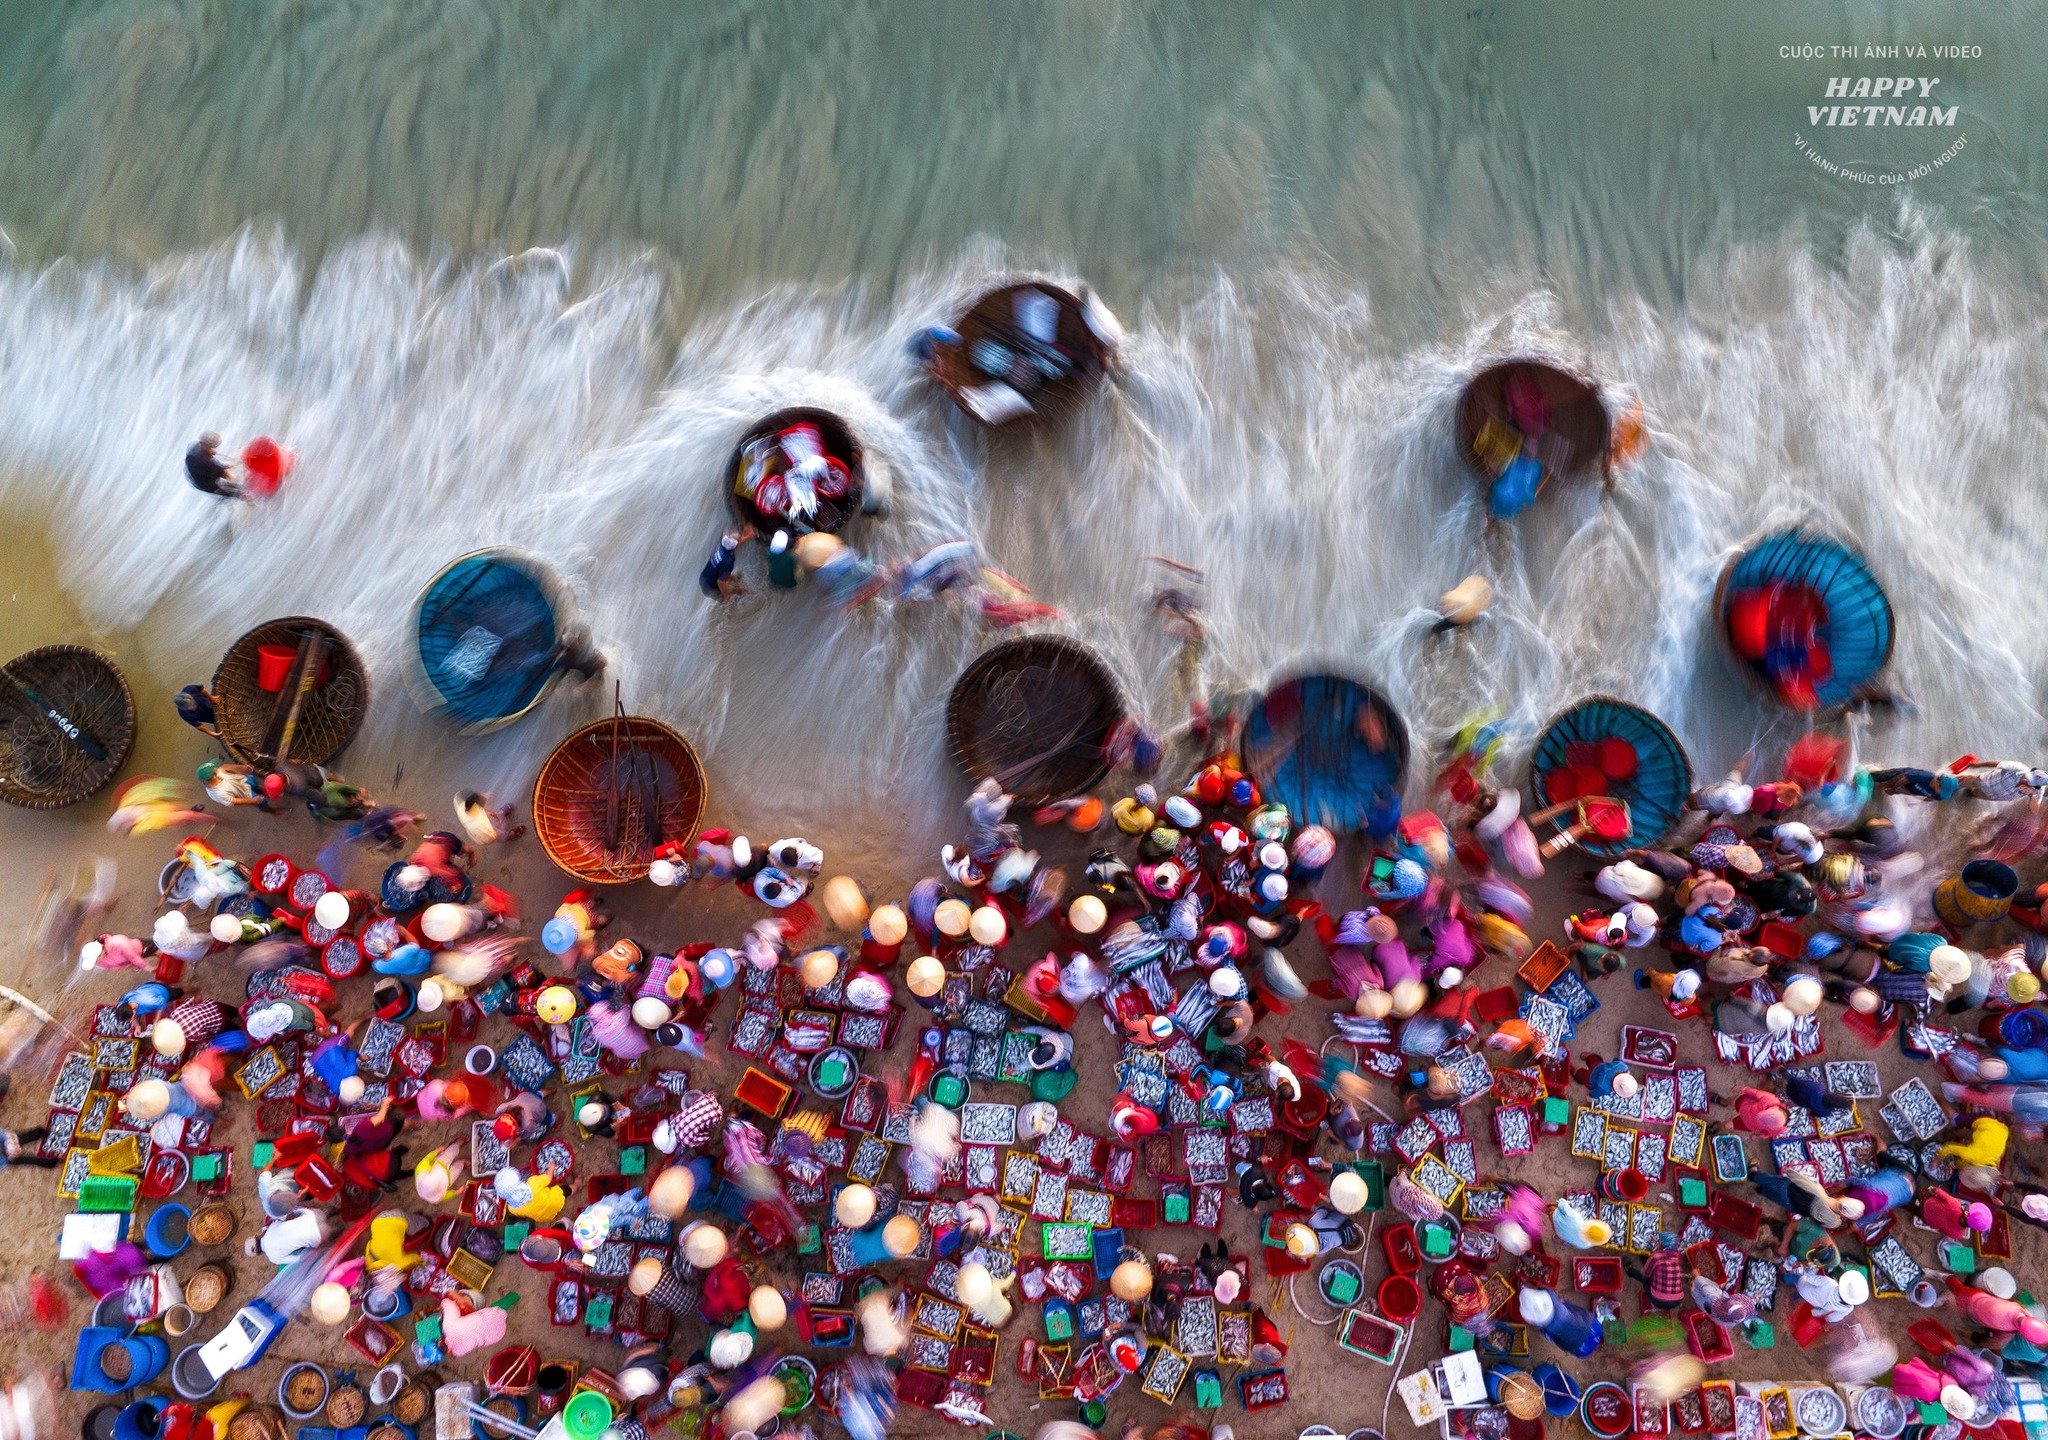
(613,793)
(67,723)
(1330,749)
(1523,424)
(1804,617)
(1604,750)
(491,634)
(754,474)
(1027,351)
(291,689)
(1034,715)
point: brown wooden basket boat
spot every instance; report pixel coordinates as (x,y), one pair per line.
(1577,439)
(612,793)
(1033,714)
(832,515)
(67,723)
(993,318)
(329,714)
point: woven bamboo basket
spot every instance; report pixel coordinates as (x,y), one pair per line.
(991,318)
(43,765)
(1578,417)
(832,514)
(1033,714)
(612,793)
(330,716)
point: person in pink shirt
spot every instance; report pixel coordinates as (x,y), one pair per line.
(447,1099)
(1761,1113)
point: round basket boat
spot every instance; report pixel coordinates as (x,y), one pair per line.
(613,793)
(1033,714)
(1333,751)
(1804,617)
(753,474)
(1607,747)
(490,637)
(1026,351)
(67,723)
(1529,410)
(253,693)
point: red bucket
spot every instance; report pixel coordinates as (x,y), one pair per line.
(1400,1299)
(274,667)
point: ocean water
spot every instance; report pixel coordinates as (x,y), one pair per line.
(523,273)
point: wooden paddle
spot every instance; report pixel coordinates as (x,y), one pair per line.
(298,684)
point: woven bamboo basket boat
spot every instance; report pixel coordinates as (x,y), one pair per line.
(1034,714)
(1605,746)
(67,724)
(1848,619)
(838,441)
(613,793)
(491,635)
(1330,749)
(329,714)
(1571,442)
(1005,340)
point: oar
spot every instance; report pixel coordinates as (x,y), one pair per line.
(611,778)
(277,742)
(70,729)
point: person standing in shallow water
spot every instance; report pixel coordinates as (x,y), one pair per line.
(208,472)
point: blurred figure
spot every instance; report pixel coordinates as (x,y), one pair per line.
(208,472)
(484,823)
(17,1147)
(150,802)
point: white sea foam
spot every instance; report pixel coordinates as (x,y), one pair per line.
(1262,430)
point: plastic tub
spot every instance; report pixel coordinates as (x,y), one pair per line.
(587,1415)
(1400,1299)
(190,1377)
(168,1231)
(302,1390)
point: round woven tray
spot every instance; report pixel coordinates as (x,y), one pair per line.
(331,714)
(206,1289)
(411,1404)
(305,1390)
(260,1422)
(592,797)
(346,1406)
(212,1224)
(1032,714)
(40,767)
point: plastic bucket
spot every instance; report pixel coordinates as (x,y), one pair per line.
(168,1231)
(1560,1390)
(274,667)
(1631,1185)
(1982,891)
(142,1420)
(1399,1298)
